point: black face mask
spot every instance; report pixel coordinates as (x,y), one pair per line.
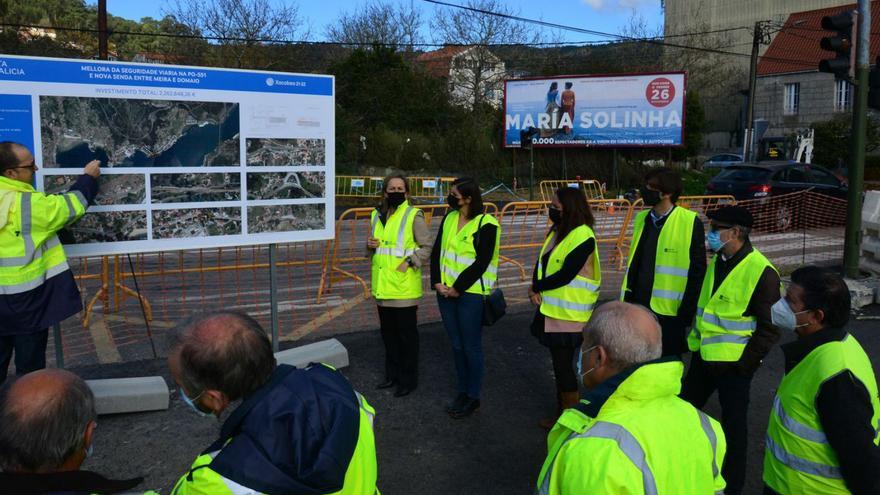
(650,197)
(452,201)
(396,199)
(555,215)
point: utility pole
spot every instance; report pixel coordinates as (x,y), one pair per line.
(103,51)
(757,38)
(852,243)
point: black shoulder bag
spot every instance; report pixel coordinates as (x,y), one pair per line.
(494,305)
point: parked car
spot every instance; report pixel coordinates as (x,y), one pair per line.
(765,179)
(722,160)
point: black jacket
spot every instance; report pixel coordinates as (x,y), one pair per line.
(485,248)
(845,411)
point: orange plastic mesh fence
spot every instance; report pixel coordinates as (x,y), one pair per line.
(323,286)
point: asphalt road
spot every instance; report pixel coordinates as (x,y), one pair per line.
(421,450)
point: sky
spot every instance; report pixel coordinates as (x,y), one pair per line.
(607,16)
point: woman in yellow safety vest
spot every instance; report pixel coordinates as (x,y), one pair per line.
(565,287)
(464,269)
(399,244)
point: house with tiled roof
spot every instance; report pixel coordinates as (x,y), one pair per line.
(473,73)
(791,93)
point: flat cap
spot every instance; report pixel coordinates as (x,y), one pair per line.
(732,215)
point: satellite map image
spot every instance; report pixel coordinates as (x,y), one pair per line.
(107,226)
(285,152)
(190,188)
(138,133)
(113,189)
(201,222)
(285,185)
(285,218)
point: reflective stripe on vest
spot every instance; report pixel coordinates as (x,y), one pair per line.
(671,260)
(575,300)
(722,331)
(798,457)
(29,257)
(387,282)
(632,449)
(457,252)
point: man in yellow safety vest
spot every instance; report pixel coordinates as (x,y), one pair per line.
(733,331)
(823,431)
(37,289)
(631,434)
(667,259)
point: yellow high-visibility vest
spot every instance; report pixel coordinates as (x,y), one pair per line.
(396,242)
(457,251)
(574,301)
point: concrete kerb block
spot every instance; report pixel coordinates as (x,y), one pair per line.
(150,393)
(329,351)
(860,292)
(126,395)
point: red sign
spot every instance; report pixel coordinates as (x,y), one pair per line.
(660,92)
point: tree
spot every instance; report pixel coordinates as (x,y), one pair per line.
(378,24)
(479,28)
(241,26)
(832,142)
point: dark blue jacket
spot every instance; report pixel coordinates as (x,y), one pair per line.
(52,302)
(294,435)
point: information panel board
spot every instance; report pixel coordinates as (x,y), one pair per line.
(192,157)
(630,110)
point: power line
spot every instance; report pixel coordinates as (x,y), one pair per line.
(617,36)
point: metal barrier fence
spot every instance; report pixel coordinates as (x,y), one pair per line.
(592,188)
(350,186)
(324,286)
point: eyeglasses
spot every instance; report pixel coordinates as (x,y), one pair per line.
(32,165)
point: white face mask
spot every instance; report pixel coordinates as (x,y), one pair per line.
(783,317)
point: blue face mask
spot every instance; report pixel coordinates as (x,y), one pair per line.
(713,239)
(90,450)
(192,404)
(580,364)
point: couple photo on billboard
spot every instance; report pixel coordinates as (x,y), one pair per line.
(617,110)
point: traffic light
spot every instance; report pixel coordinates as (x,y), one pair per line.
(842,44)
(874,86)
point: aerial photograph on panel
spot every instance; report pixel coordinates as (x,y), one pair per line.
(191,188)
(285,185)
(106,226)
(138,133)
(128,189)
(200,222)
(285,152)
(285,218)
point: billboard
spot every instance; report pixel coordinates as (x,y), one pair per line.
(628,110)
(192,157)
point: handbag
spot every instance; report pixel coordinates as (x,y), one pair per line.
(494,305)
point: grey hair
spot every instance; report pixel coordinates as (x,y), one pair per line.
(743,232)
(612,327)
(45,437)
(237,365)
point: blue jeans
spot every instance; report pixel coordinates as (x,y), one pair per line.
(463,319)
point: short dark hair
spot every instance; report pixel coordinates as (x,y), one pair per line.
(237,365)
(568,85)
(575,211)
(665,180)
(45,437)
(824,290)
(8,158)
(470,188)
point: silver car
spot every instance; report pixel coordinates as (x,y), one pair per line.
(722,160)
